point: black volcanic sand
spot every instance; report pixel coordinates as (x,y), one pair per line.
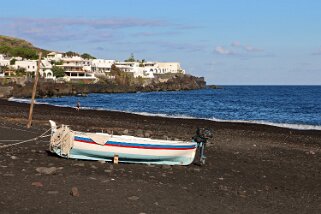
(250,168)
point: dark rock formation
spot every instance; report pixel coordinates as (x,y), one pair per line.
(49,89)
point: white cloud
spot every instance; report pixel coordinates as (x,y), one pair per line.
(237,49)
(223,51)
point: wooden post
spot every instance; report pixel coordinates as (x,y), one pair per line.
(116,157)
(34,91)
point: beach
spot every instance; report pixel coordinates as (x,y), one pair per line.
(250,168)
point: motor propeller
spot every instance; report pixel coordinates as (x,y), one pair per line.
(201,137)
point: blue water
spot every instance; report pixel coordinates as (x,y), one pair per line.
(300,105)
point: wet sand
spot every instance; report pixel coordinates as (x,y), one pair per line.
(250,168)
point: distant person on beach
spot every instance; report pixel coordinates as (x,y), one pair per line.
(78,106)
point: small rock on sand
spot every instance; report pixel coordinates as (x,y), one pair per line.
(47,170)
(74,192)
(79,164)
(37,184)
(133,198)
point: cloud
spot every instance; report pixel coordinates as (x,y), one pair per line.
(94,23)
(170,46)
(237,49)
(223,51)
(153,34)
(46,30)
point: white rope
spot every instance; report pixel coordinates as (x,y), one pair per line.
(32,139)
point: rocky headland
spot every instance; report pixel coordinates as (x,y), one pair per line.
(23,87)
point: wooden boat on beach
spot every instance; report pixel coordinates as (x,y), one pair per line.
(129,149)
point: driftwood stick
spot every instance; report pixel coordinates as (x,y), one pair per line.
(34,91)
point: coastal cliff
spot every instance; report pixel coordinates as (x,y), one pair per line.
(50,89)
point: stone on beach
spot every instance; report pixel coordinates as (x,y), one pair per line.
(37,184)
(133,198)
(74,192)
(47,170)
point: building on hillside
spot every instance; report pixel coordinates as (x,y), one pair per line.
(4,61)
(151,68)
(30,67)
(170,67)
(101,65)
(46,70)
(76,68)
(134,68)
(54,56)
(127,66)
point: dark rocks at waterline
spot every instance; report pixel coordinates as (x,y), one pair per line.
(50,89)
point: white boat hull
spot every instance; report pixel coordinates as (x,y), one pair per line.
(129,149)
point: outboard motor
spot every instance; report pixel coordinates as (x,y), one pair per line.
(201,137)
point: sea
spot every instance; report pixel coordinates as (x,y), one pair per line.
(296,107)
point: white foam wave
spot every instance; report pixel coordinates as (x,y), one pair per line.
(19,100)
(281,125)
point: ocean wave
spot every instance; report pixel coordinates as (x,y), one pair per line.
(281,125)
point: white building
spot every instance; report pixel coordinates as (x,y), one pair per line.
(135,68)
(101,65)
(54,56)
(46,70)
(30,67)
(170,67)
(77,68)
(4,61)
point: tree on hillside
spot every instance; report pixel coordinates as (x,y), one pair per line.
(12,61)
(56,62)
(87,56)
(121,78)
(71,53)
(131,58)
(114,70)
(58,71)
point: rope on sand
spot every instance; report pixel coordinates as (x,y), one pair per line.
(25,141)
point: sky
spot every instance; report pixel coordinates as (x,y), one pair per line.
(229,42)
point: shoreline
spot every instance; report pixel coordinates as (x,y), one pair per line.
(250,168)
(291,126)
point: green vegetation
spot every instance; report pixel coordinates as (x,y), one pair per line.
(87,56)
(58,71)
(122,78)
(57,62)
(131,58)
(71,54)
(14,47)
(20,72)
(12,61)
